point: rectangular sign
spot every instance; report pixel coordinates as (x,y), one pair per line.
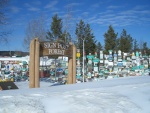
(55,49)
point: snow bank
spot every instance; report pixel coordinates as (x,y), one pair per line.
(123,95)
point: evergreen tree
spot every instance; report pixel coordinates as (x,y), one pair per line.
(90,42)
(125,42)
(110,39)
(66,37)
(145,49)
(55,29)
(99,47)
(135,46)
(80,33)
(84,33)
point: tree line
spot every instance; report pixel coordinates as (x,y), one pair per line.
(125,42)
(83,32)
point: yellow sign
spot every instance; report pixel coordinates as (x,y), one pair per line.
(78,54)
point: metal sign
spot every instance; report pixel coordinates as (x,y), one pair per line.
(95,60)
(90,56)
(59,70)
(78,55)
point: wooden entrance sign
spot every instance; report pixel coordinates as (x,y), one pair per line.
(50,49)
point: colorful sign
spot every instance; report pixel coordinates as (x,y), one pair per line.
(78,55)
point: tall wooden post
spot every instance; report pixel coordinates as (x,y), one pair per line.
(37,62)
(70,74)
(72,66)
(32,64)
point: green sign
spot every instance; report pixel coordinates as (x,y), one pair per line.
(95,60)
(90,56)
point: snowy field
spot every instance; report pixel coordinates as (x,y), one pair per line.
(120,95)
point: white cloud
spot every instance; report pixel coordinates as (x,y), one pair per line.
(95,5)
(106,12)
(72,4)
(15,9)
(27,5)
(114,7)
(116,17)
(75,11)
(51,4)
(31,7)
(140,7)
(85,13)
(37,2)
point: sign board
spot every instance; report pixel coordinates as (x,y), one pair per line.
(55,49)
(59,70)
(78,54)
(95,60)
(8,85)
(90,56)
(96,69)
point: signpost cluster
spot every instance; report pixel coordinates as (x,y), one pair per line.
(116,64)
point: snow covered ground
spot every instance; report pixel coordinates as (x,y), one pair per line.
(120,95)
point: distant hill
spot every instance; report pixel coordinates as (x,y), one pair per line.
(13,53)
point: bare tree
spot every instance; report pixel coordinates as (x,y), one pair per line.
(69,24)
(35,29)
(3,32)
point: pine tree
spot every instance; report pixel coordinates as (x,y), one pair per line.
(125,42)
(145,50)
(66,37)
(55,29)
(84,33)
(135,46)
(99,47)
(80,33)
(110,38)
(90,42)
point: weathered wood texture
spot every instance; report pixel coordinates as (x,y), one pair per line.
(32,65)
(37,63)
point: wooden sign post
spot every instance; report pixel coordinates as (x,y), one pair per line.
(34,64)
(50,49)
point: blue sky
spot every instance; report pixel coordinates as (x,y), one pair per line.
(132,15)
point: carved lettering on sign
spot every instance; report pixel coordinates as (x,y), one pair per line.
(55,49)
